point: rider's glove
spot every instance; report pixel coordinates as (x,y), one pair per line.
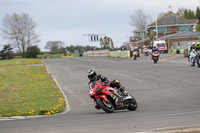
(122,88)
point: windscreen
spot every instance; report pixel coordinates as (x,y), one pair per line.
(161,45)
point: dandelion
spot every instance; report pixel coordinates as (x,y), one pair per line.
(48,113)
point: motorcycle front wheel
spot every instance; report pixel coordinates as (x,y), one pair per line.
(193,62)
(106,106)
(198,62)
(132,106)
(134,57)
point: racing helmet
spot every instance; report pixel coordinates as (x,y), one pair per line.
(92,74)
(193,45)
(198,45)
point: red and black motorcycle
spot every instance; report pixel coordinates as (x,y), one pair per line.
(155,56)
(105,97)
(135,54)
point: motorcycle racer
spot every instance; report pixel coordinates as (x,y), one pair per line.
(154,50)
(94,77)
(197,49)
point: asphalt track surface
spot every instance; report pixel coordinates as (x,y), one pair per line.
(168,95)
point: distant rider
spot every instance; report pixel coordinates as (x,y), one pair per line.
(145,51)
(93,77)
(192,47)
(197,48)
(154,50)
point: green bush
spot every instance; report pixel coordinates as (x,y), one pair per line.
(7,52)
(32,52)
(198,28)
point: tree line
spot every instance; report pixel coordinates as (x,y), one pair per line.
(190,14)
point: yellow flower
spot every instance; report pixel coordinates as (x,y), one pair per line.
(48,113)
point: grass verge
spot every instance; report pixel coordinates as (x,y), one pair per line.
(28,91)
(14,62)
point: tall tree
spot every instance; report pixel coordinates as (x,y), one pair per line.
(198,26)
(19,30)
(140,20)
(186,14)
(54,46)
(191,14)
(197,12)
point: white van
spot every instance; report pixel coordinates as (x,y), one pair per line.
(161,45)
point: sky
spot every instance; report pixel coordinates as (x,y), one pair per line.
(69,20)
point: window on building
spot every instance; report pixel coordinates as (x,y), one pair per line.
(142,34)
(184,45)
(174,45)
(139,34)
(183,28)
(163,29)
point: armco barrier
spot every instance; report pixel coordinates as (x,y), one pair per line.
(119,54)
(104,52)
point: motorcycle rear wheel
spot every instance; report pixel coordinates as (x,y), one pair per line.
(106,106)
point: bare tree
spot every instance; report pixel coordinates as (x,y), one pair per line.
(140,20)
(160,15)
(20,31)
(54,46)
(180,11)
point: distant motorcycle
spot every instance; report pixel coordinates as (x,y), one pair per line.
(104,96)
(135,54)
(155,57)
(146,52)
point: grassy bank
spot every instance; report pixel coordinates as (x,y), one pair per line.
(45,56)
(19,62)
(28,91)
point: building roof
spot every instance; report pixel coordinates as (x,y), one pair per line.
(184,34)
(173,19)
